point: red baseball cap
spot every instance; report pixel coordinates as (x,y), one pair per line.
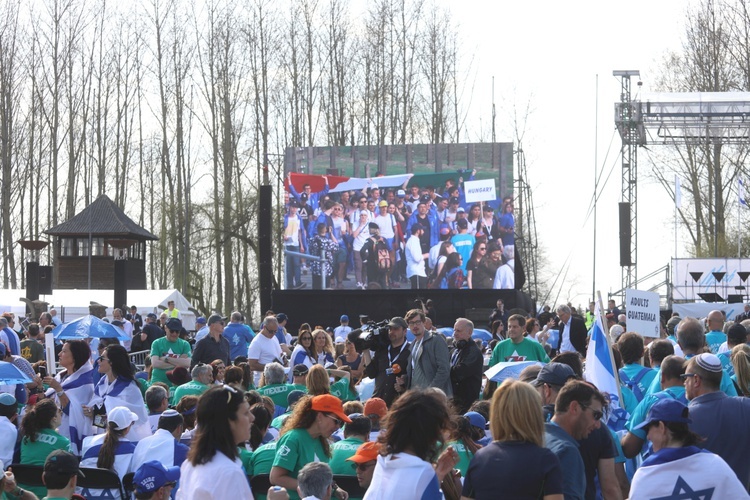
(330,404)
(376,406)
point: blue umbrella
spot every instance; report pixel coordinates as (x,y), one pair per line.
(479,333)
(86,327)
(11,375)
(482,334)
(508,369)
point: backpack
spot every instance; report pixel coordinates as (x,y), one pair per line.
(384,256)
(632,384)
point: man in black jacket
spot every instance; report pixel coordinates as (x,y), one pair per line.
(466,366)
(389,362)
(573,332)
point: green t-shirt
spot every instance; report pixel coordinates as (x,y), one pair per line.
(32,351)
(36,453)
(192,388)
(278,422)
(162,347)
(464,456)
(341,390)
(277,392)
(526,350)
(342,450)
(295,449)
(261,460)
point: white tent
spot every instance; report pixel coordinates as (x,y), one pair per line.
(72,304)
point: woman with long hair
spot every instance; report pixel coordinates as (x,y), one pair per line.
(304,352)
(413,428)
(446,249)
(40,437)
(323,346)
(319,381)
(305,435)
(213,468)
(117,387)
(516,463)
(258,431)
(740,358)
(451,276)
(111,450)
(484,274)
(219,368)
(677,458)
(464,437)
(71,389)
(497,329)
(187,407)
(477,253)
(473,218)
(352,359)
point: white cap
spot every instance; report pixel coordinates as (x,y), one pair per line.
(709,362)
(122,417)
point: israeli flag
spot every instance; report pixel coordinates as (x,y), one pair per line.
(600,371)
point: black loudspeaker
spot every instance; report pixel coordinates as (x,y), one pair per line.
(45,280)
(121,283)
(735,298)
(625,234)
(265,235)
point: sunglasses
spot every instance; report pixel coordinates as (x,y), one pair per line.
(338,421)
(363,467)
(686,376)
(598,414)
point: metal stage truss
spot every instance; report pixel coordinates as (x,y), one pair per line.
(675,119)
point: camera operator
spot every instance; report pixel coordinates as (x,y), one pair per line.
(389,361)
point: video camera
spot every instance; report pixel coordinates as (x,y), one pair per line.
(371,336)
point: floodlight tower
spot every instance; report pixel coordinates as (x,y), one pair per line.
(627,118)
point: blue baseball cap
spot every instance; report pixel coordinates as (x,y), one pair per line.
(476,419)
(200,321)
(666,410)
(344,319)
(153,475)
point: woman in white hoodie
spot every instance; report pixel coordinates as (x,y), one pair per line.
(413,427)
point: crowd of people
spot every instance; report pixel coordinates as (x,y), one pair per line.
(422,237)
(398,411)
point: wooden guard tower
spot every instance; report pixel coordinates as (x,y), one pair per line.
(87,247)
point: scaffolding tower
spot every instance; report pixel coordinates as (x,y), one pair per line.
(712,118)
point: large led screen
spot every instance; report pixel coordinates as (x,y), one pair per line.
(399,217)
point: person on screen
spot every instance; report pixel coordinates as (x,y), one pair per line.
(322,246)
(507,222)
(505,274)
(294,238)
(376,256)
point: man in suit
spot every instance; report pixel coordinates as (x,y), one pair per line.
(572,332)
(466,366)
(429,362)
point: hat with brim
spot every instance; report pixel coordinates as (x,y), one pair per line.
(153,475)
(326,403)
(64,464)
(367,452)
(666,410)
(122,417)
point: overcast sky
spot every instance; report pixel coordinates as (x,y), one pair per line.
(548,54)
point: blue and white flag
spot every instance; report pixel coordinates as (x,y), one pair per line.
(741,193)
(600,371)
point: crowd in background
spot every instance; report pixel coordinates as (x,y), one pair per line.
(396,410)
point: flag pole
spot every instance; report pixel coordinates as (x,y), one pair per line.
(609,348)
